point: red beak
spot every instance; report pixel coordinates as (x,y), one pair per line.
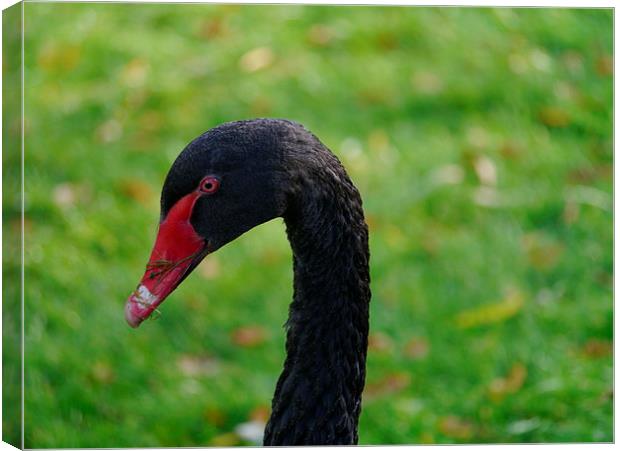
(178,249)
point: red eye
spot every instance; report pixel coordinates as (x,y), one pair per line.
(209,184)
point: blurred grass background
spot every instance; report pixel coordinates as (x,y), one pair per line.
(481,140)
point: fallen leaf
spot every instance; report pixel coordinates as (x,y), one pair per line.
(596,348)
(511,383)
(260,413)
(416,348)
(134,73)
(256,59)
(224,440)
(391,383)
(491,313)
(554,116)
(215,416)
(137,190)
(59,57)
(249,336)
(543,252)
(212,28)
(102,372)
(321,35)
(605,66)
(455,427)
(209,268)
(510,150)
(570,213)
(379,342)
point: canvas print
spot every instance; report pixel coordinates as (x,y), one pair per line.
(238,225)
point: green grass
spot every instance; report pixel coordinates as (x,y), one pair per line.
(481,140)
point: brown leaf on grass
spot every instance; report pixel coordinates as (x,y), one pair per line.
(320,35)
(392,383)
(212,28)
(249,336)
(193,365)
(509,384)
(209,268)
(455,427)
(417,348)
(491,313)
(215,416)
(256,59)
(137,190)
(510,150)
(543,253)
(553,116)
(379,342)
(588,175)
(596,348)
(605,66)
(260,413)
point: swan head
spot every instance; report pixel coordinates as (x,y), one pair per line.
(225,182)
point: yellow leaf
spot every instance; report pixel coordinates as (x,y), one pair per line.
(512,383)
(137,190)
(256,59)
(227,439)
(491,313)
(210,267)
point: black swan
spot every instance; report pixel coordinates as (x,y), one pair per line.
(242,174)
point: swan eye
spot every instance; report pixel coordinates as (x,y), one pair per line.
(209,184)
